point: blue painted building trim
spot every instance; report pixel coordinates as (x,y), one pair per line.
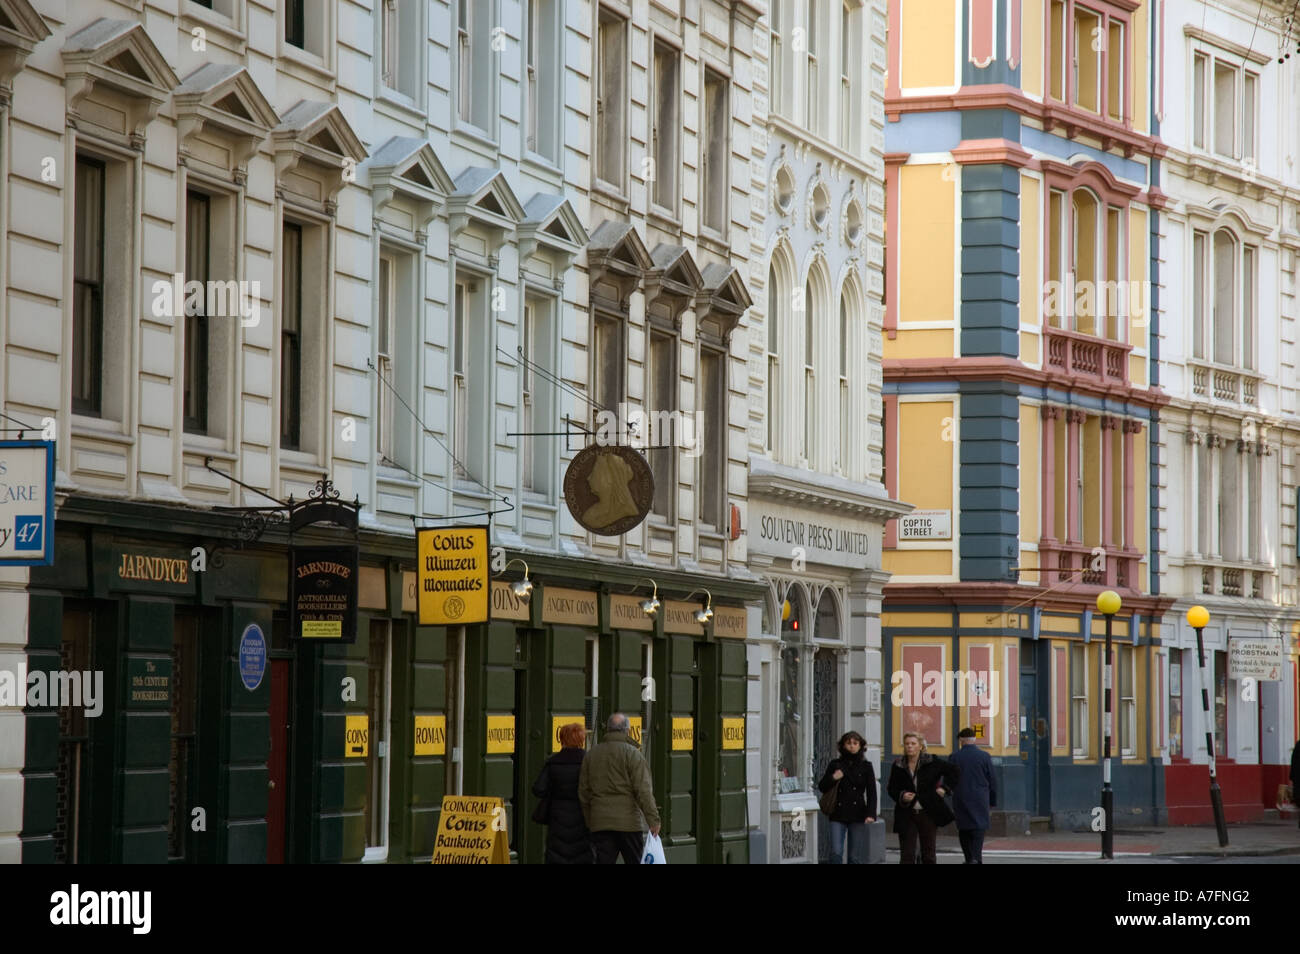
(1035,140)
(989,481)
(924,132)
(920,387)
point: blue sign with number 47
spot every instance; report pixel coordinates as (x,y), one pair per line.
(29,532)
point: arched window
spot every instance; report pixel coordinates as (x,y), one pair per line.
(790,746)
(809,376)
(1223,298)
(1087,290)
(774,299)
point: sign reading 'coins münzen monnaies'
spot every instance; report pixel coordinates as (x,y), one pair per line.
(452,575)
(609,489)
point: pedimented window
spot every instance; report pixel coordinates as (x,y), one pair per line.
(222,118)
(117,80)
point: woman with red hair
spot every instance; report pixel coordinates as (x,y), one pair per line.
(567,840)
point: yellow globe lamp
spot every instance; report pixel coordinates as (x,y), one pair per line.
(1198,617)
(785,611)
(1108,603)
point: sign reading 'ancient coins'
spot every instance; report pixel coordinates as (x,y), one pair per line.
(634,729)
(323,593)
(471,831)
(733,733)
(453,572)
(500,734)
(609,489)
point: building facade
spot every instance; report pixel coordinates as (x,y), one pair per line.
(435,242)
(1022,397)
(1230,438)
(817,507)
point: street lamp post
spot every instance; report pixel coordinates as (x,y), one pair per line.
(1109,604)
(1197,618)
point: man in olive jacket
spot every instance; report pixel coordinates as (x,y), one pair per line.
(615,791)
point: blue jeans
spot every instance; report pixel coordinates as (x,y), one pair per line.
(857,834)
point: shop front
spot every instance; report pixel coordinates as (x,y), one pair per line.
(817,656)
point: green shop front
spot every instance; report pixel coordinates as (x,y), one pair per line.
(221,739)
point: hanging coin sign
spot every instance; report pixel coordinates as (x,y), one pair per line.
(609,489)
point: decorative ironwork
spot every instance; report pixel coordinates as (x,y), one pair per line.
(324,490)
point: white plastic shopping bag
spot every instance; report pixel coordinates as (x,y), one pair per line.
(654,851)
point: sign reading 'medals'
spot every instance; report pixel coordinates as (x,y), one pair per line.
(323,594)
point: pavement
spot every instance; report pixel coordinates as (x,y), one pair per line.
(1262,839)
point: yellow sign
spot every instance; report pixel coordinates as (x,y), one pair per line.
(356,737)
(558,723)
(634,729)
(471,831)
(431,735)
(452,566)
(733,733)
(500,734)
(322,628)
(683,733)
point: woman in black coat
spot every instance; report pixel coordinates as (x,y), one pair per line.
(917,784)
(855,800)
(567,839)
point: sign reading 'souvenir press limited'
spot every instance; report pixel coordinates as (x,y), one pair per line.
(828,539)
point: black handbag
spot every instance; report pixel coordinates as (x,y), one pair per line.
(830,798)
(542,813)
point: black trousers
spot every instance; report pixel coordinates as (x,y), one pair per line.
(972,844)
(920,827)
(610,844)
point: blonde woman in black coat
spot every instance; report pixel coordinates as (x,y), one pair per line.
(917,783)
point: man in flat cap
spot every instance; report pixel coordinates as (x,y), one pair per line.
(976,793)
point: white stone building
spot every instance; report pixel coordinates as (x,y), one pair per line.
(509,211)
(817,505)
(1230,438)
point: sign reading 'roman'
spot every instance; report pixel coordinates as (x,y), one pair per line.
(323,593)
(452,565)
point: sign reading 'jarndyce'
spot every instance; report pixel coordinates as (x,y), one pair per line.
(323,593)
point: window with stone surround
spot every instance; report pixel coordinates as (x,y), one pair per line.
(1088,57)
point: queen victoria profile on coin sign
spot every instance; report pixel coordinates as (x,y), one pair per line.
(609,489)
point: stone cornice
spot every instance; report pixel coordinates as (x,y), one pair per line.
(1009,369)
(1001,96)
(768,480)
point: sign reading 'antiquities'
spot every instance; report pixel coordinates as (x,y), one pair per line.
(323,593)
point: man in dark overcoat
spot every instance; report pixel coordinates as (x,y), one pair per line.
(976,792)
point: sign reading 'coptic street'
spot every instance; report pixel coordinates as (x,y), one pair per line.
(452,565)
